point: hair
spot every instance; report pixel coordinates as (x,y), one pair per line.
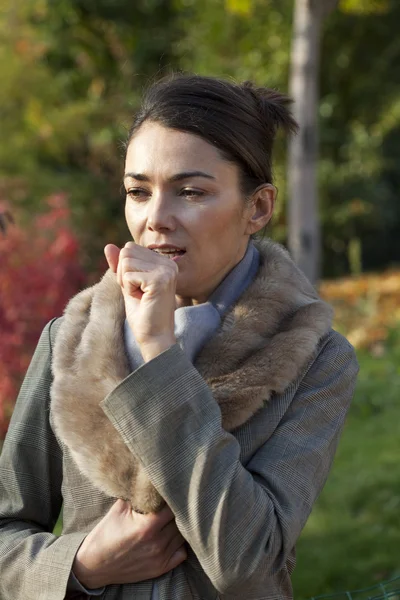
(241,120)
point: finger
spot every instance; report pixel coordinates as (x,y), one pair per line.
(136,283)
(133,263)
(155,521)
(128,263)
(119,271)
(112,255)
(171,546)
(176,542)
(137,273)
(161,281)
(162,518)
(176,559)
(126,252)
(121,506)
(132,250)
(168,532)
(139,250)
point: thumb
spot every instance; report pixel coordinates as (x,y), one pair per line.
(120,508)
(111,252)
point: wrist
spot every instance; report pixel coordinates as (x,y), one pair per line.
(156,346)
(84,574)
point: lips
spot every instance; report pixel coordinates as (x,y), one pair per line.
(169,251)
(165,248)
(174,255)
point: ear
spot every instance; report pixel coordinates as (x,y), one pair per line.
(261,207)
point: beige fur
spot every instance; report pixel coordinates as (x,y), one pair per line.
(262,346)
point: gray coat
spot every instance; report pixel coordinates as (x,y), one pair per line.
(241,527)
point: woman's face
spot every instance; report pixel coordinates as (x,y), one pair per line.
(179,191)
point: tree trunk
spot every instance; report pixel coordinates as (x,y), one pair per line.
(304,227)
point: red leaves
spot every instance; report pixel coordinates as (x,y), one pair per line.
(39,273)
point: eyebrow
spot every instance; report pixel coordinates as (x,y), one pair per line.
(177,177)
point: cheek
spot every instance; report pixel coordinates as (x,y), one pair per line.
(132,218)
(222,224)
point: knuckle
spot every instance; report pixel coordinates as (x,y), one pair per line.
(127,283)
(166,276)
(126,262)
(144,535)
(174,271)
(158,550)
(147,531)
(126,252)
(183,554)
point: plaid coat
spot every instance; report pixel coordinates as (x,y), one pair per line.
(241,527)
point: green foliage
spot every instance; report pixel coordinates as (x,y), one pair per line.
(364,6)
(240,40)
(359,110)
(360,124)
(244,40)
(72,74)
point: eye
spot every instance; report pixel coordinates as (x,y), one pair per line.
(190,193)
(137,193)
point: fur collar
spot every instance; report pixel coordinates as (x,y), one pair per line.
(264,343)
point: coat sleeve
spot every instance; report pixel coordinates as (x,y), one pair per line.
(34,563)
(241,522)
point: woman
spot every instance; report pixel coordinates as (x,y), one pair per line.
(187,408)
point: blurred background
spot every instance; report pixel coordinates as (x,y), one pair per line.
(71,76)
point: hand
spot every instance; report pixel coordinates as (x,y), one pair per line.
(148,283)
(127,547)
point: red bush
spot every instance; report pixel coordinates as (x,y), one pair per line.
(39,272)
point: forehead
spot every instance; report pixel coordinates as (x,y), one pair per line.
(155,149)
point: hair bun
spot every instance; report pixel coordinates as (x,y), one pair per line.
(272,106)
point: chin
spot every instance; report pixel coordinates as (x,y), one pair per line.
(181,290)
(184,290)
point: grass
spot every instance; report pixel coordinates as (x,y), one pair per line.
(58,527)
(352,538)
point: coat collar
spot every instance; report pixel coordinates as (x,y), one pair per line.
(264,343)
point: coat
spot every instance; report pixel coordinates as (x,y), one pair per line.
(239,445)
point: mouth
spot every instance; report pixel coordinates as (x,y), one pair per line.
(172,253)
(178,257)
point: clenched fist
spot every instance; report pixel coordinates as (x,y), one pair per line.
(148,283)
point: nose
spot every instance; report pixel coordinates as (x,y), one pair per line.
(160,213)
